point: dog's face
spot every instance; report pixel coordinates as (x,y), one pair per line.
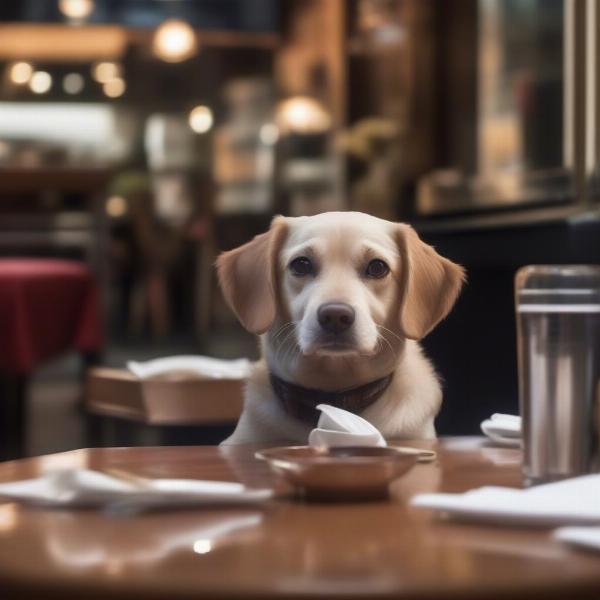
(349,282)
(340,280)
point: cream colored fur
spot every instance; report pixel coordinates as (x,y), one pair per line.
(392,313)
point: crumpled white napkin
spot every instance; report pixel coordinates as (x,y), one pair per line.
(502,429)
(204,366)
(575,500)
(337,427)
(79,488)
(586,537)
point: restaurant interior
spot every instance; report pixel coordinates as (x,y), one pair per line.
(139,139)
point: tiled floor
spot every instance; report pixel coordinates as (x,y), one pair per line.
(55,419)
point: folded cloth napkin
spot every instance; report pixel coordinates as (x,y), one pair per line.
(586,537)
(338,427)
(79,488)
(569,501)
(204,366)
(503,429)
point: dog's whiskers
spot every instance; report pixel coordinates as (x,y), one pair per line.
(381,337)
(292,348)
(280,331)
(288,337)
(390,331)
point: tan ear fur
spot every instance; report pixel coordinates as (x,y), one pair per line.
(430,284)
(248,278)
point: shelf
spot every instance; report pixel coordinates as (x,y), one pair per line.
(61,43)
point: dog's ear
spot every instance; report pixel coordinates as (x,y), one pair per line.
(430,284)
(248,278)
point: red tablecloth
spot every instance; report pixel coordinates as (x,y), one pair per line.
(46,307)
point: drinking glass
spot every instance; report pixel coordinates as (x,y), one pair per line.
(558,337)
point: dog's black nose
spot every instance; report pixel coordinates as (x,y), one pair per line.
(335,317)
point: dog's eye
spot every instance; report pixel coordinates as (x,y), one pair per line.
(377,269)
(301,266)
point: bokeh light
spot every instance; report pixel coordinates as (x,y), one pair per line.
(20,72)
(201,119)
(76,9)
(40,82)
(114,88)
(73,83)
(174,41)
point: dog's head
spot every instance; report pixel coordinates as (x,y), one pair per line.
(347,281)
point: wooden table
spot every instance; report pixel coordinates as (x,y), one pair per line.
(290,549)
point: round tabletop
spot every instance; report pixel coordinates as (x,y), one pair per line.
(286,549)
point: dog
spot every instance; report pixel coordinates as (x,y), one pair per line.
(340,301)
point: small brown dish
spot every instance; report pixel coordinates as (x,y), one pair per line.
(344,473)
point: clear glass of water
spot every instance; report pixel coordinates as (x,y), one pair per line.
(558,337)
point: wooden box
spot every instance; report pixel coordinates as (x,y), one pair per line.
(173,399)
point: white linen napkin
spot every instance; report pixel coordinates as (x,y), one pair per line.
(502,429)
(79,488)
(564,502)
(204,366)
(338,427)
(585,537)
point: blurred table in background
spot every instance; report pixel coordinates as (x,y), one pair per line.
(47,306)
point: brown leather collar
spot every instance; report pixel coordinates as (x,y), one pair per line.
(301,402)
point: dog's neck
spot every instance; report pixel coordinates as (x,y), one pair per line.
(301,403)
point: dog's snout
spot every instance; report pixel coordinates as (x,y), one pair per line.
(335,317)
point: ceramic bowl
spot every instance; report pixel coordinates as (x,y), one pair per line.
(342,473)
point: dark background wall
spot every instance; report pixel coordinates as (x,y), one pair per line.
(474,349)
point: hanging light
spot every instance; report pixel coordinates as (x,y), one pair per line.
(40,82)
(73,83)
(77,10)
(20,72)
(105,71)
(174,41)
(302,114)
(114,87)
(200,119)
(116,206)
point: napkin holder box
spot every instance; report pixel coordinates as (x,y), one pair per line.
(163,400)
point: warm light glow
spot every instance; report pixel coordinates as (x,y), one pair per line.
(73,83)
(302,114)
(269,134)
(105,71)
(116,206)
(20,73)
(202,546)
(76,9)
(114,88)
(201,119)
(174,41)
(8,517)
(40,82)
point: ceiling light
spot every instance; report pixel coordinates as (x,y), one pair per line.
(304,115)
(201,119)
(269,134)
(114,88)
(105,71)
(76,9)
(203,546)
(40,82)
(20,72)
(73,83)
(116,206)
(174,41)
